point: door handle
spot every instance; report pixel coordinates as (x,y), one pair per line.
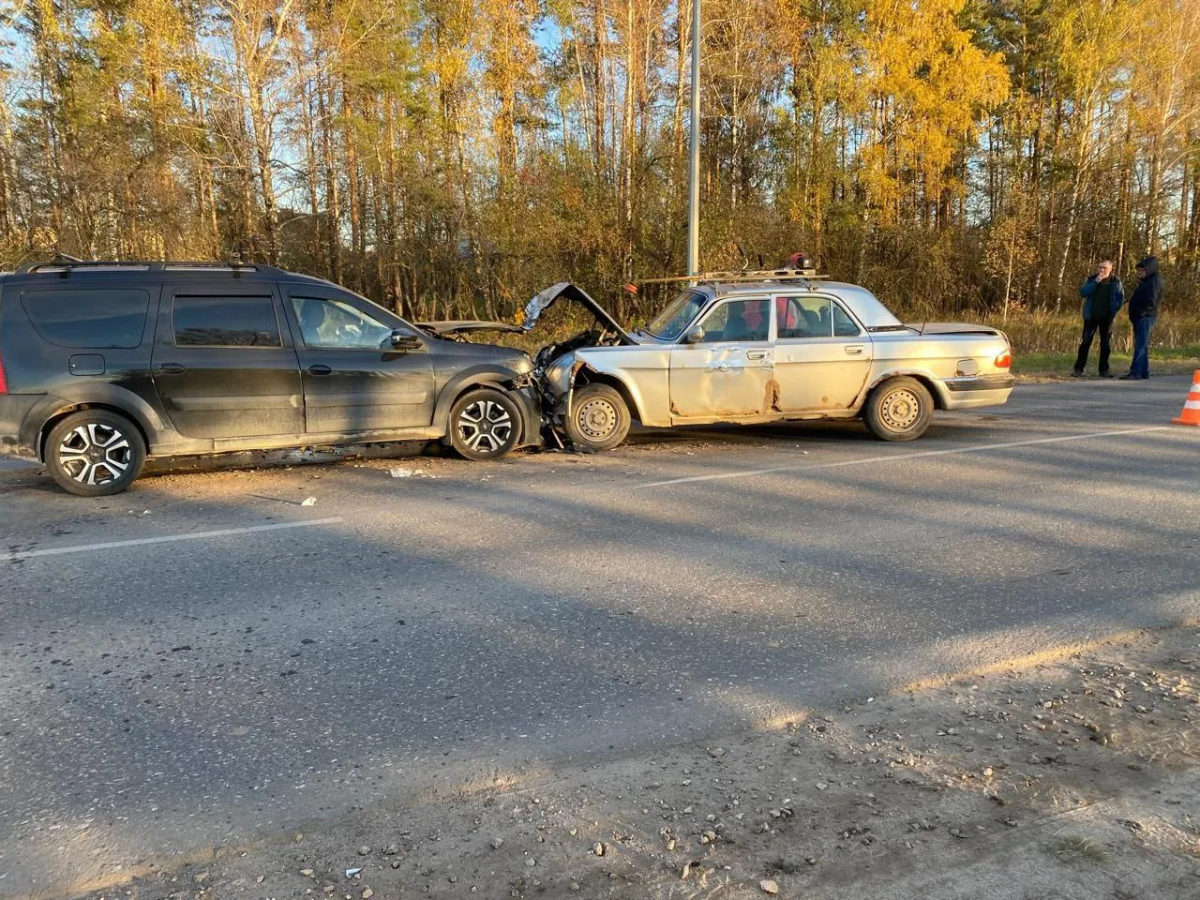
(171,368)
(756,354)
(319,370)
(854,349)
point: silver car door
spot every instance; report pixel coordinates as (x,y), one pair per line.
(727,373)
(822,355)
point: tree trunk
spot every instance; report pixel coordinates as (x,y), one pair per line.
(333,197)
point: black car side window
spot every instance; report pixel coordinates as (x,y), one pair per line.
(91,319)
(211,321)
(336,325)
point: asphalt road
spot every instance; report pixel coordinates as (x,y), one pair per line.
(183,677)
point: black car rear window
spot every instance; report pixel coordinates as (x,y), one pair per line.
(225,322)
(91,319)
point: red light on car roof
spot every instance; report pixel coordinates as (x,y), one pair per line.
(1004,360)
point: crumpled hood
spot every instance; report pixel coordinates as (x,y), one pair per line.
(1150,264)
(547,298)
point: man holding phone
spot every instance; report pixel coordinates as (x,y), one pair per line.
(1103,295)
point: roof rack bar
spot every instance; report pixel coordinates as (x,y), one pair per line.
(65,264)
(733,277)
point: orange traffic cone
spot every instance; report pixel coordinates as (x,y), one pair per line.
(1191,406)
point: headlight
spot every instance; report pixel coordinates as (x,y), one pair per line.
(558,374)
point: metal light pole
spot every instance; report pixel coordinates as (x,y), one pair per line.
(693,253)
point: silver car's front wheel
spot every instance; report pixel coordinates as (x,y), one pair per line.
(900,409)
(484,424)
(94,453)
(599,417)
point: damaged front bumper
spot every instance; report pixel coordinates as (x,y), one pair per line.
(529,399)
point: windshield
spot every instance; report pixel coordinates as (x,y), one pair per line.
(669,323)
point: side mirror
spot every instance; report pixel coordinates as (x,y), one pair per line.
(402,340)
(694,335)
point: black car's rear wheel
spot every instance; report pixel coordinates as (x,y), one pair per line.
(94,453)
(599,418)
(900,409)
(484,424)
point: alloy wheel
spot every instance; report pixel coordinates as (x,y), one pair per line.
(95,454)
(485,426)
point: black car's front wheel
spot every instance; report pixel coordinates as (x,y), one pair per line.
(94,453)
(485,423)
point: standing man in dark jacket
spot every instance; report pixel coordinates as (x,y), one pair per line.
(1143,310)
(1103,294)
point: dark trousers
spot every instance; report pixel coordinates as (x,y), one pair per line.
(1141,347)
(1104,326)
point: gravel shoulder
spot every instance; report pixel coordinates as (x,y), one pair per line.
(1071,774)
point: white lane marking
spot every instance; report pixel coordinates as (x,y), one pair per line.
(978,448)
(165,539)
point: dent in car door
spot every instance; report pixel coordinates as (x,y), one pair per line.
(822,356)
(729,373)
(354,380)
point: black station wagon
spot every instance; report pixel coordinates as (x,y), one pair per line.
(104,364)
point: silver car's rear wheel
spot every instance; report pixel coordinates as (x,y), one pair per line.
(900,409)
(484,424)
(94,453)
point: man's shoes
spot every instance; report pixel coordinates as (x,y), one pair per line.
(1107,375)
(1130,377)
(1076,373)
(1145,377)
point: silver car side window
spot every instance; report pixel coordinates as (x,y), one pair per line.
(843,325)
(803,317)
(738,320)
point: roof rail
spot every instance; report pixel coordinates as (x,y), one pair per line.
(64,265)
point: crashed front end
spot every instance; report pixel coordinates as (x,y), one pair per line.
(556,365)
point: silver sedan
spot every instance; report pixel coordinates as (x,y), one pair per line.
(765,350)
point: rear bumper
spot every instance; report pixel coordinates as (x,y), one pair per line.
(981,390)
(979,383)
(14,416)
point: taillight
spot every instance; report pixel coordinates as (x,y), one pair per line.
(3,384)
(1004,360)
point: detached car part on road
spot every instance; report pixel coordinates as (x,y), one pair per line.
(764,347)
(103,365)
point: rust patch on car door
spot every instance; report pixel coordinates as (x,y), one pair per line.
(771,399)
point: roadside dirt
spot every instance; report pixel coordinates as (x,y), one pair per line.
(1072,775)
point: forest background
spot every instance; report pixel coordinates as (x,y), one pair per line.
(449,158)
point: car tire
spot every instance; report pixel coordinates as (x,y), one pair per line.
(94,453)
(599,418)
(485,423)
(900,409)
